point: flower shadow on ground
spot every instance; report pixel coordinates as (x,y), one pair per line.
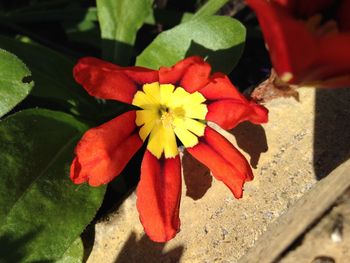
(117,191)
(197,177)
(251,139)
(150,251)
(332,130)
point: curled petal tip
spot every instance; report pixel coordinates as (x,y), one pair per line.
(104,151)
(261,114)
(75,169)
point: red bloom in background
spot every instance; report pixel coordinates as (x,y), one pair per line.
(308,40)
(173,102)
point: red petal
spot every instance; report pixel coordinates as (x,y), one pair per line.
(228,113)
(220,87)
(280,31)
(196,77)
(307,60)
(141,75)
(232,172)
(308,8)
(219,144)
(305,8)
(104,151)
(158,196)
(332,50)
(290,4)
(191,73)
(108,81)
(229,106)
(343,16)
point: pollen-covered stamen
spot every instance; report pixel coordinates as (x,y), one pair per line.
(167,119)
(167,112)
(168,116)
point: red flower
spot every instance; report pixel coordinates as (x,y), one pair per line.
(305,45)
(174,102)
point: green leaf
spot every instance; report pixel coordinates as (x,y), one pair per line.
(52,74)
(41,211)
(74,254)
(219,39)
(85,31)
(210,8)
(119,22)
(46,15)
(13,86)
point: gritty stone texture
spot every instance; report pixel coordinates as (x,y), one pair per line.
(216,227)
(329,238)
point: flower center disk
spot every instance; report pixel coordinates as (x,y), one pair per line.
(166,113)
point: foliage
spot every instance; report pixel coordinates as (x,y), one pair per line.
(44,112)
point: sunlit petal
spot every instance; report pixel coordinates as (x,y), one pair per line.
(187,138)
(166,91)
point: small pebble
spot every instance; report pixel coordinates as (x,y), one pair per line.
(337,230)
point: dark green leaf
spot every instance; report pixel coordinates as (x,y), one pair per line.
(45,15)
(85,31)
(210,8)
(219,39)
(14,86)
(52,74)
(40,5)
(41,211)
(119,22)
(55,87)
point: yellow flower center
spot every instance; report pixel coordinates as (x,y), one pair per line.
(166,113)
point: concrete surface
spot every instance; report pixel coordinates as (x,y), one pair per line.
(215,227)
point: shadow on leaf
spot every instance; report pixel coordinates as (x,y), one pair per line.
(117,52)
(217,58)
(15,249)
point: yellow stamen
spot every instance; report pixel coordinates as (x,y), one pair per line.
(167,119)
(168,111)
